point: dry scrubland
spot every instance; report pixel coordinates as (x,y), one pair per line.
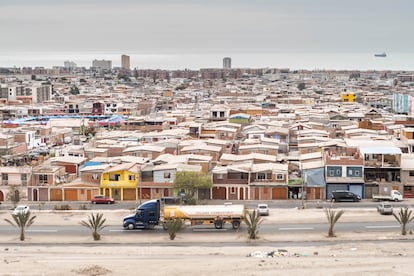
(348,253)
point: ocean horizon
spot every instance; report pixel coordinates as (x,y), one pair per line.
(293,61)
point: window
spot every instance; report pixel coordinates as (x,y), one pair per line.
(334,171)
(279,176)
(232,190)
(23,178)
(411,173)
(42,178)
(114,177)
(219,176)
(353,171)
(95,176)
(167,175)
(5,178)
(131,177)
(261,176)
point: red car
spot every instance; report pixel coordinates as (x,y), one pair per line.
(100,199)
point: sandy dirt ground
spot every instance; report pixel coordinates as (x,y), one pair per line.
(146,253)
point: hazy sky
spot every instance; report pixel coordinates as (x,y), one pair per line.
(207,26)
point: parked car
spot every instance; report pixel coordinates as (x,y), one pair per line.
(343,195)
(384,208)
(101,199)
(263,209)
(21,209)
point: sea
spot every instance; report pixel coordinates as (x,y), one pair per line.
(292,60)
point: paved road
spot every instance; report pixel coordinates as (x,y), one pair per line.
(266,228)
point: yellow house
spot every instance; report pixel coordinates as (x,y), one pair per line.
(348,97)
(121,182)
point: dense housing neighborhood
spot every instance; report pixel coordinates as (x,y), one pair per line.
(70,133)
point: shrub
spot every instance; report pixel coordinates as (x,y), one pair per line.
(173,225)
(252,220)
(63,207)
(95,222)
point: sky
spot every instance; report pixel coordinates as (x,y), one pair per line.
(207,26)
(177,34)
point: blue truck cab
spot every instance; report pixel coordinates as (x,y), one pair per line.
(146,216)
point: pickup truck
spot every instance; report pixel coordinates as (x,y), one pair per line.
(394,195)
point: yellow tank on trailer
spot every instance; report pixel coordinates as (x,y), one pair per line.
(217,214)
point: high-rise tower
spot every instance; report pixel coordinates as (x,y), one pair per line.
(226,63)
(125,62)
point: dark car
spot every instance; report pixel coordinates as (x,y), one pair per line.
(101,199)
(342,195)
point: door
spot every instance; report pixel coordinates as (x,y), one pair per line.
(35,197)
(356,189)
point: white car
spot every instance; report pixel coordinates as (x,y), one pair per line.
(385,208)
(21,209)
(263,209)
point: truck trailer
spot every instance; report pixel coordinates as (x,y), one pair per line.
(150,214)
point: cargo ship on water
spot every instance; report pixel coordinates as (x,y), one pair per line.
(381,55)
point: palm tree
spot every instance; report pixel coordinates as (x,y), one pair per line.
(404,218)
(252,220)
(22,220)
(333,217)
(95,222)
(173,225)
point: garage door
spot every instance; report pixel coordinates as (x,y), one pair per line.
(71,194)
(334,187)
(55,195)
(129,194)
(279,193)
(356,189)
(219,193)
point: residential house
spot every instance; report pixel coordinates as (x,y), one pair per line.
(382,165)
(158,180)
(407,174)
(72,164)
(344,170)
(121,181)
(46,183)
(145,151)
(16,179)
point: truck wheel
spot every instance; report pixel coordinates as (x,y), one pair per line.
(235,224)
(130,226)
(218,224)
